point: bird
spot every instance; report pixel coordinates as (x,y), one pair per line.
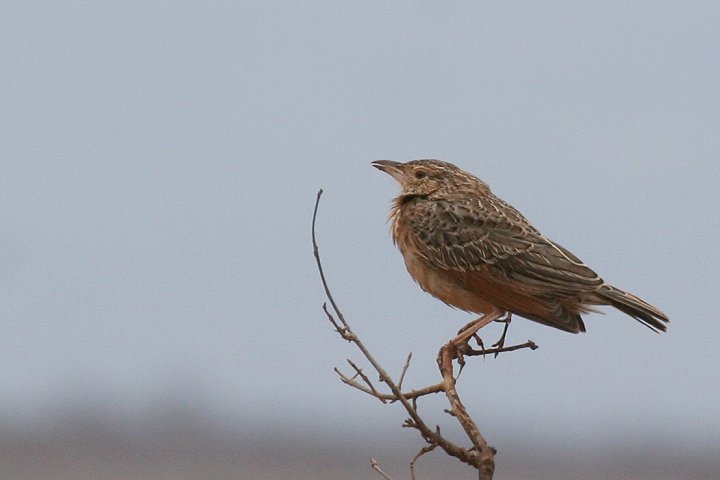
(474,251)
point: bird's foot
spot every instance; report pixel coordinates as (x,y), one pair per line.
(461,342)
(478,340)
(501,342)
(457,351)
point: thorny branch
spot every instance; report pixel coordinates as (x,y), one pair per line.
(480,455)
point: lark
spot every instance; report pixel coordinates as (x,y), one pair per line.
(469,248)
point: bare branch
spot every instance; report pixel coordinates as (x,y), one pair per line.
(316,252)
(346,332)
(423,451)
(359,372)
(411,395)
(404,370)
(470,352)
(376,466)
(481,456)
(343,331)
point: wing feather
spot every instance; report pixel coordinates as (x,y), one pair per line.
(490,236)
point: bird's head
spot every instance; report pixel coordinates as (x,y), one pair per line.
(426,177)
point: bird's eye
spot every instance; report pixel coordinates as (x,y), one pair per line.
(420,174)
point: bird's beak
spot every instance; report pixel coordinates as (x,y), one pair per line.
(391,168)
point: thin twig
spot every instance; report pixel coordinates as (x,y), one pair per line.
(411,395)
(404,370)
(316,252)
(423,451)
(376,466)
(470,352)
(361,374)
(482,455)
(343,331)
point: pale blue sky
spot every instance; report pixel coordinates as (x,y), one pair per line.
(160,161)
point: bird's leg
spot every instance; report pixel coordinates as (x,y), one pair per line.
(468,325)
(474,336)
(501,343)
(469,330)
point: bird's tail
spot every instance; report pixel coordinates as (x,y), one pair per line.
(634,306)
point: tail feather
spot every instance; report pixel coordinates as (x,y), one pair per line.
(634,306)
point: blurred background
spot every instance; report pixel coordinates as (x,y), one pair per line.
(159,301)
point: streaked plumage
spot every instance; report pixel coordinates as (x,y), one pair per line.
(474,251)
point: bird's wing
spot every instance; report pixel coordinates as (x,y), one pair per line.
(487,234)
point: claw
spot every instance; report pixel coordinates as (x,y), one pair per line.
(459,355)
